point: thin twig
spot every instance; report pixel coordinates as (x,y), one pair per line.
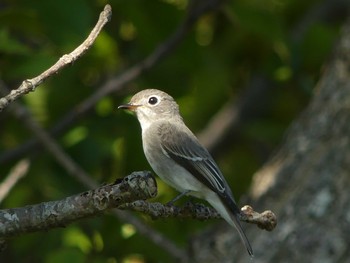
(80,175)
(118,83)
(17,172)
(30,85)
(74,170)
(111,86)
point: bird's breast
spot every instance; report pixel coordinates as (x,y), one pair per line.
(166,168)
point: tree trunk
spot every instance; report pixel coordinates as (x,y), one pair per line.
(306,183)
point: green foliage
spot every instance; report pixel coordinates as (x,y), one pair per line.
(213,65)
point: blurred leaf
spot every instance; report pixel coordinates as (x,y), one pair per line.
(127,230)
(98,241)
(215,63)
(75,136)
(105,107)
(283,73)
(127,31)
(74,237)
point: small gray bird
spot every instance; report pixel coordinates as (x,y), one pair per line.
(178,158)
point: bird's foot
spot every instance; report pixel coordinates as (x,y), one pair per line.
(171,202)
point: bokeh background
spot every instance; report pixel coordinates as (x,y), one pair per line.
(274,46)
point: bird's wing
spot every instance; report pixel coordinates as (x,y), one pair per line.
(185,149)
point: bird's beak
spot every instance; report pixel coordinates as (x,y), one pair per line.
(128,106)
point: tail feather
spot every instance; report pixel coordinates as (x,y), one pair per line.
(230,213)
(235,222)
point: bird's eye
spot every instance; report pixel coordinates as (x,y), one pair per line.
(153,100)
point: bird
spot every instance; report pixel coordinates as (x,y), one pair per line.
(178,158)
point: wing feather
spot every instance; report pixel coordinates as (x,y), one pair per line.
(187,151)
(184,148)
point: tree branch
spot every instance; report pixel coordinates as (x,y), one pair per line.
(82,108)
(48,215)
(113,85)
(266,220)
(122,194)
(118,82)
(29,85)
(79,174)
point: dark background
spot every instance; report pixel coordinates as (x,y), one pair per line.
(264,55)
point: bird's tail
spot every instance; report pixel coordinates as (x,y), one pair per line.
(231,214)
(235,223)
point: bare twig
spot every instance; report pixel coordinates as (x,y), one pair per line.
(44,216)
(158,210)
(109,87)
(117,83)
(13,177)
(79,174)
(266,220)
(29,85)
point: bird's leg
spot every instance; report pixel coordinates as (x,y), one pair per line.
(171,202)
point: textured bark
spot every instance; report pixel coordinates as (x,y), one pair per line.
(29,85)
(49,215)
(306,183)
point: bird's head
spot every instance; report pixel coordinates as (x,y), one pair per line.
(151,105)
